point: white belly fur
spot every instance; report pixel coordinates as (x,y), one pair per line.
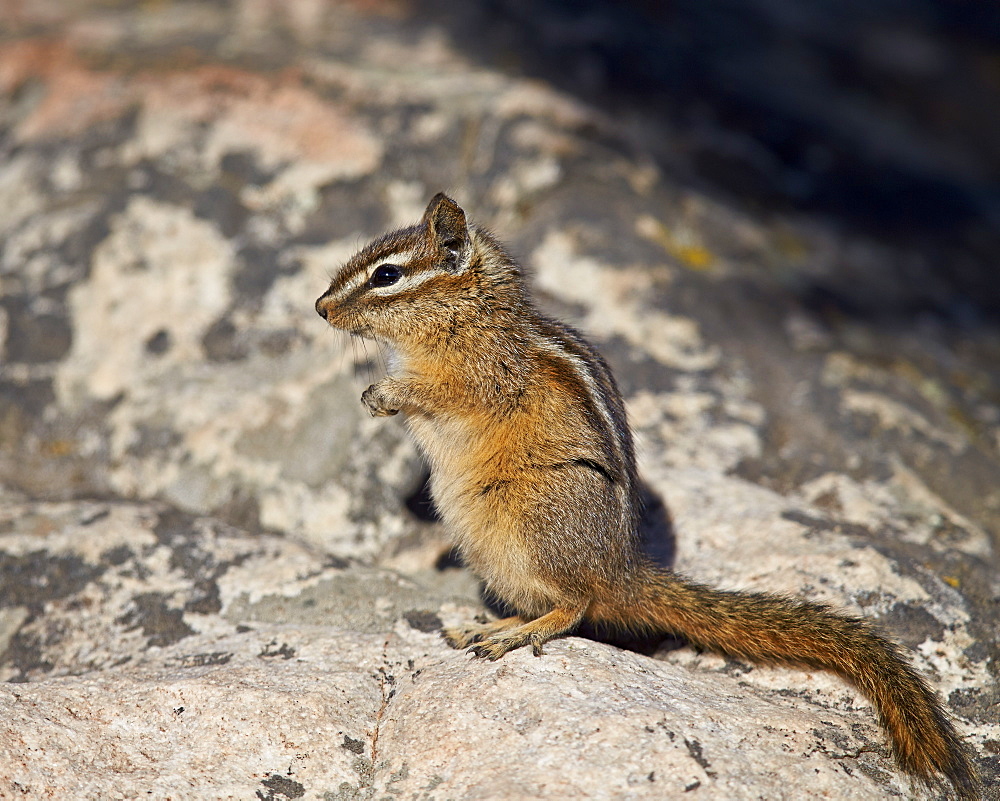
(490,541)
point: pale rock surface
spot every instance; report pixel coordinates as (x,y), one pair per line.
(180,657)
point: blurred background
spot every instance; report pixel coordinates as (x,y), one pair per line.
(880,118)
(813,180)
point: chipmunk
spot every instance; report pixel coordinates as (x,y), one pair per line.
(533,473)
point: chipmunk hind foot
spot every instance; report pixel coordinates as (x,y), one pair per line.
(493,640)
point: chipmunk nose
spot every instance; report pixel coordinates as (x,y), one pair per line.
(319,306)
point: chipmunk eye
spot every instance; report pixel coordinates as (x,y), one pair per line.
(385,275)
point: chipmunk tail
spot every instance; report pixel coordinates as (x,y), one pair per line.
(771,629)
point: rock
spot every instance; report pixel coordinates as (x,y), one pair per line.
(218,577)
(224,723)
(166,654)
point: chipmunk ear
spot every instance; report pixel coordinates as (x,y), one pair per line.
(447,226)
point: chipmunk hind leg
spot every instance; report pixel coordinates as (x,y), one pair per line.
(535,632)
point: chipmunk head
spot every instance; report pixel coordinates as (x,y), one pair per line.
(417,285)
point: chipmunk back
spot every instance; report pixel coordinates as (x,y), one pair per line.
(533,473)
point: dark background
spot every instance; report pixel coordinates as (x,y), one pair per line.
(880,118)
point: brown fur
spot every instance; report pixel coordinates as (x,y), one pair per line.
(533,473)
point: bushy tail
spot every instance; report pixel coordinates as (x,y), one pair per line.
(771,629)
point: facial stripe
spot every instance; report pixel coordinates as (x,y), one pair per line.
(409,284)
(410,280)
(356,276)
(342,287)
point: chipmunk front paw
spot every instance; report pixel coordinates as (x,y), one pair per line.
(378,404)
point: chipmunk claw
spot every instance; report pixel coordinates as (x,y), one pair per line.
(487,650)
(376,403)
